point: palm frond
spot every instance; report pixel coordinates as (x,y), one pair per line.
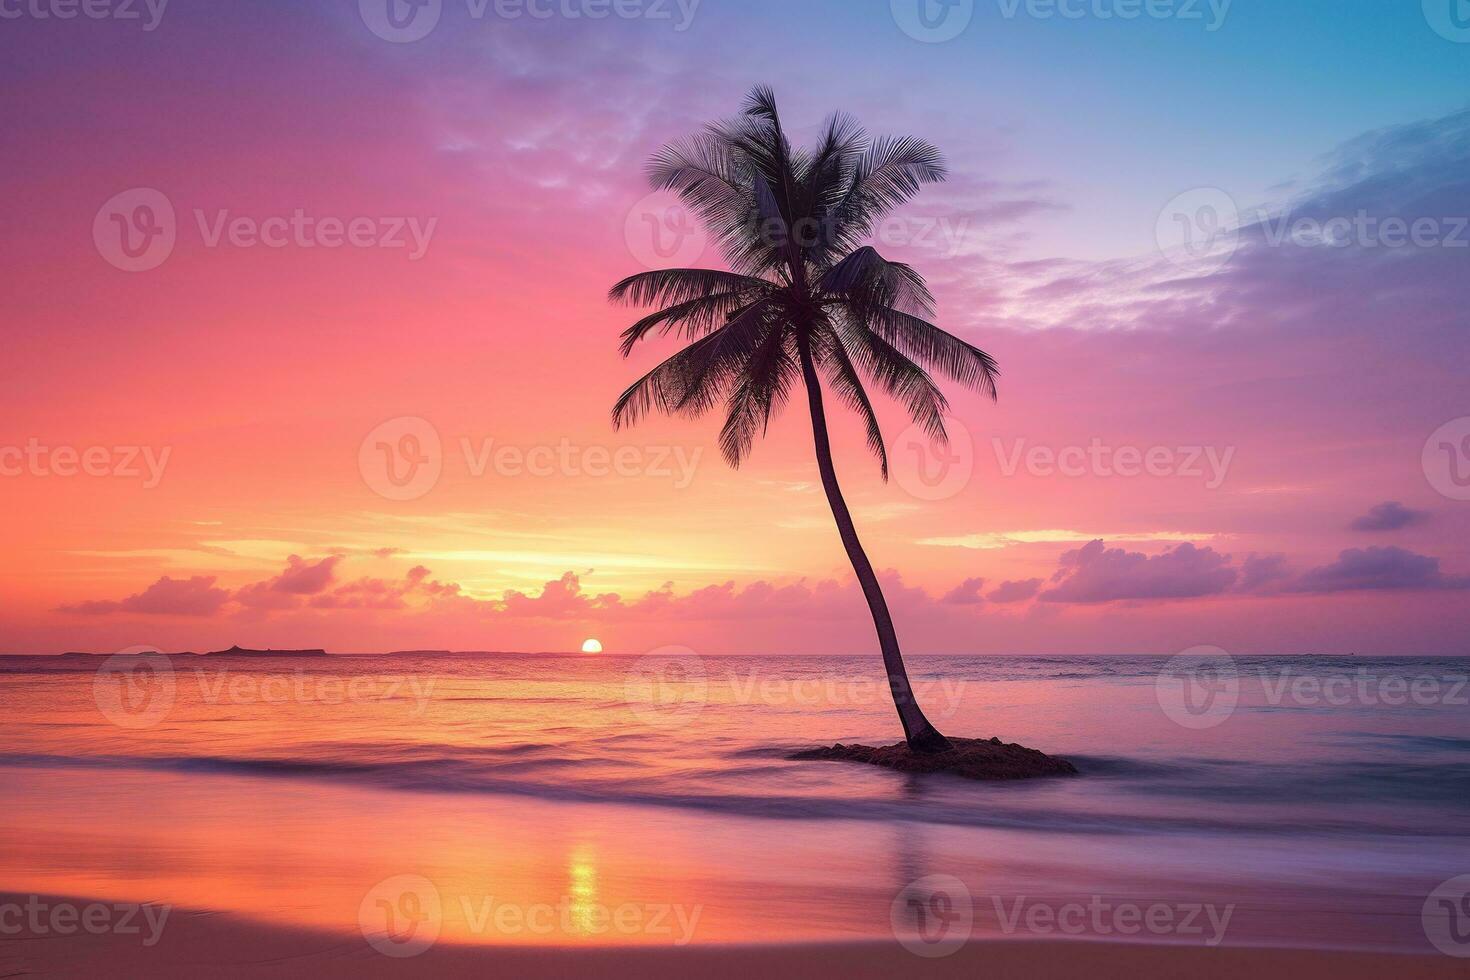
(704,171)
(842,375)
(694,318)
(899,378)
(696,378)
(669,286)
(665,388)
(890,172)
(924,342)
(865,280)
(762,389)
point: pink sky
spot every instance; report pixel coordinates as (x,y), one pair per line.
(1282,397)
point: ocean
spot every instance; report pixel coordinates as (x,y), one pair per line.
(1282,801)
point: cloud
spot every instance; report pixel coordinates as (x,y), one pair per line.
(1389,516)
(301,578)
(1263,573)
(1015,591)
(1358,569)
(197,596)
(967,593)
(1281,285)
(994,540)
(1095,573)
(378,593)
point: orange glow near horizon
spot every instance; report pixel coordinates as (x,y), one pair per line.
(175,434)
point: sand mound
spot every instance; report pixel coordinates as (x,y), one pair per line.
(973,758)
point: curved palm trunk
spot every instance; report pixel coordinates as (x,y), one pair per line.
(921,735)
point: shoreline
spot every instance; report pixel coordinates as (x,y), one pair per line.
(202,943)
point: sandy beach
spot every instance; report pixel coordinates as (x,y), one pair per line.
(209,944)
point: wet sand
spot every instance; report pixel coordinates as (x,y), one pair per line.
(210,944)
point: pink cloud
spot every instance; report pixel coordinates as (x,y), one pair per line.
(1095,573)
(303,577)
(1389,516)
(1015,591)
(377,593)
(196,596)
(1359,569)
(967,593)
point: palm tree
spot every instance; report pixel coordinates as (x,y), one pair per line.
(803,295)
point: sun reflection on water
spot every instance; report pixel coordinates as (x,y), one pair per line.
(582,889)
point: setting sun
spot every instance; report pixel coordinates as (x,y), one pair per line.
(592,646)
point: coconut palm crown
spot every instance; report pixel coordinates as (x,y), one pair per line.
(804,299)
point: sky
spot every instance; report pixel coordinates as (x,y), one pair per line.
(307,341)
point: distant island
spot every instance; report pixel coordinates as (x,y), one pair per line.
(237,651)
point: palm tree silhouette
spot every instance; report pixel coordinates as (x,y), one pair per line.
(804,295)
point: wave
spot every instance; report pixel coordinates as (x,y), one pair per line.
(551,667)
(1030,806)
